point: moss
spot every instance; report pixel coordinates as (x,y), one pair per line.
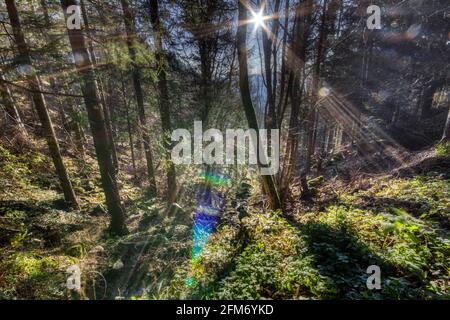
(33,276)
(314,183)
(443,149)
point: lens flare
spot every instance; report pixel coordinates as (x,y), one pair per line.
(324,92)
(215,179)
(258,19)
(207,216)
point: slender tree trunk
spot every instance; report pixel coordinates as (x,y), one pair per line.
(296,63)
(109,95)
(109,127)
(205,67)
(328,17)
(130,131)
(105,106)
(396,115)
(312,112)
(73,125)
(40,104)
(446,136)
(140,141)
(271,121)
(77,130)
(268,181)
(97,122)
(61,109)
(418,106)
(275,29)
(7,101)
(164,102)
(284,72)
(131,37)
(293,137)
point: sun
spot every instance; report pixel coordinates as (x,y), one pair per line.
(324,92)
(258,19)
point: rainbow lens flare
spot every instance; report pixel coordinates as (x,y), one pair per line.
(207,215)
(215,179)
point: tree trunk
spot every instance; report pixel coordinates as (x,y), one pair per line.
(268,181)
(164,103)
(284,52)
(131,35)
(7,101)
(312,112)
(446,136)
(106,109)
(34,84)
(205,67)
(271,121)
(297,57)
(97,122)
(77,129)
(61,110)
(275,29)
(109,127)
(328,18)
(130,132)
(73,125)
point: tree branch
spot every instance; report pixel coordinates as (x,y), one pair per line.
(49,93)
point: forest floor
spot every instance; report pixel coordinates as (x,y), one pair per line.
(398,220)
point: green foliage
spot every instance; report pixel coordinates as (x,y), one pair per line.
(426,196)
(30,265)
(264,273)
(402,246)
(117,54)
(400,220)
(18,238)
(22,175)
(77,251)
(33,276)
(328,253)
(443,149)
(315,182)
(275,264)
(398,224)
(11,164)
